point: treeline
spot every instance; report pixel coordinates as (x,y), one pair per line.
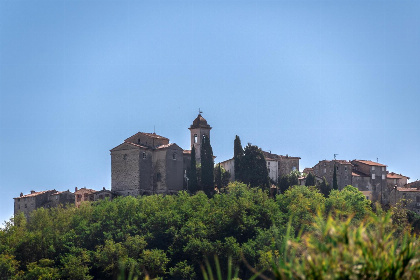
(170,236)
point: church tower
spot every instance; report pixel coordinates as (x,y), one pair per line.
(199,128)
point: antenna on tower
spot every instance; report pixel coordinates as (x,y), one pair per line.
(335,155)
(154,129)
(199,111)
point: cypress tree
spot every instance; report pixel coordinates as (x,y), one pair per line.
(238,154)
(207,166)
(335,185)
(192,183)
(325,187)
(283,183)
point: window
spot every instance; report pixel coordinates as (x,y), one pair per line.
(294,168)
(345,168)
(383,176)
(138,141)
(158,177)
(373,168)
(268,163)
(174,156)
(325,170)
(383,168)
(26,206)
(373,176)
(195,138)
(125,156)
(56,197)
(336,168)
(144,155)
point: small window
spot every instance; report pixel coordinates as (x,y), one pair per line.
(195,138)
(125,156)
(373,168)
(367,197)
(174,156)
(345,168)
(294,168)
(26,206)
(383,168)
(336,168)
(383,176)
(269,170)
(325,170)
(138,141)
(373,176)
(56,197)
(144,155)
(158,177)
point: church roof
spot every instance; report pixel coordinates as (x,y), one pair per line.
(200,122)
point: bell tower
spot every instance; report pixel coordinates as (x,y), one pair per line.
(199,128)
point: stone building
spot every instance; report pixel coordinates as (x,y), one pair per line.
(61,198)
(30,202)
(146,163)
(83,194)
(371,176)
(325,168)
(198,129)
(409,196)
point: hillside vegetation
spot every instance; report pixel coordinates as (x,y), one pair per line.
(306,236)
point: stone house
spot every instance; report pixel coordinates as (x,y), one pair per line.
(30,202)
(61,198)
(371,176)
(411,197)
(83,194)
(325,168)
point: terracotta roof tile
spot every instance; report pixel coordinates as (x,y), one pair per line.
(368,162)
(393,175)
(408,190)
(356,173)
(152,135)
(35,194)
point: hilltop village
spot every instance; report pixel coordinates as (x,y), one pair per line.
(147,163)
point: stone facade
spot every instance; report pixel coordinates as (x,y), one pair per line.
(377,183)
(410,197)
(198,129)
(30,202)
(83,194)
(147,163)
(61,198)
(325,168)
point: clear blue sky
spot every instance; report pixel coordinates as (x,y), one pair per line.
(304,78)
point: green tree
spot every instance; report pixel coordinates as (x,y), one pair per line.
(294,178)
(283,183)
(254,167)
(324,187)
(238,154)
(310,180)
(207,166)
(193,182)
(335,185)
(348,202)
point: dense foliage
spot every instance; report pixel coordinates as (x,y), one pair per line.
(207,166)
(171,236)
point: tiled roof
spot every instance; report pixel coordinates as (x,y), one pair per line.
(340,161)
(408,190)
(85,190)
(356,173)
(393,175)
(272,156)
(35,194)
(368,162)
(187,152)
(152,135)
(200,122)
(136,145)
(166,146)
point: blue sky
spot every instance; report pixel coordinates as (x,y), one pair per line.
(304,78)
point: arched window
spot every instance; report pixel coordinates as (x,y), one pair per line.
(195,138)
(174,156)
(144,155)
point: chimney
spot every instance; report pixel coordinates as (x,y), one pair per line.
(103,188)
(32,192)
(75,189)
(21,194)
